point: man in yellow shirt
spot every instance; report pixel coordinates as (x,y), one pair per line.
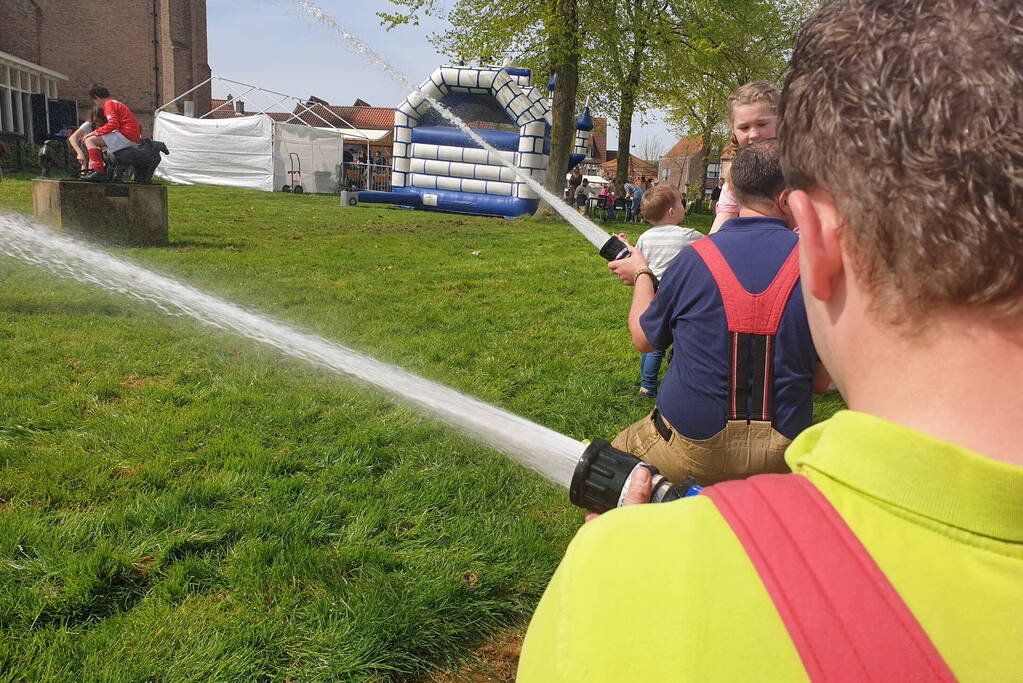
(914,291)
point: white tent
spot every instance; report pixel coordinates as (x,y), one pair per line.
(236,152)
(253,152)
(316,152)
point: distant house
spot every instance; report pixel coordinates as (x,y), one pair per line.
(637,167)
(681,166)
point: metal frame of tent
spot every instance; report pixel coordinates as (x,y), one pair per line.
(281,98)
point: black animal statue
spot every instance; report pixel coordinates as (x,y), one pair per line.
(141,160)
(48,157)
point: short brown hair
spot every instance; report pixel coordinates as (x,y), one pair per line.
(756,175)
(656,201)
(910,114)
(98,90)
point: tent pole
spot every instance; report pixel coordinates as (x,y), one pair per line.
(185,94)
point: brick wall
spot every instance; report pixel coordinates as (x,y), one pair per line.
(146,52)
(19,29)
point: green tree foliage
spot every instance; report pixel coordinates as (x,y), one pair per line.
(633,55)
(721,45)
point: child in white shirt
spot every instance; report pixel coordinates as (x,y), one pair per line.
(661,206)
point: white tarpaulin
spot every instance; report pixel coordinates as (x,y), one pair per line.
(235,152)
(316,151)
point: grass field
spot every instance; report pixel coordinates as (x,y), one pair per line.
(177,503)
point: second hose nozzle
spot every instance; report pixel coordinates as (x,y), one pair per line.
(614,249)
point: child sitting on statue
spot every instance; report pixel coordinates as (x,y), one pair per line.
(121,131)
(76,141)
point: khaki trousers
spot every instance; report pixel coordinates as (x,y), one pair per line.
(740,450)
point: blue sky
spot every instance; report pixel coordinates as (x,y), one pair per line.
(276,45)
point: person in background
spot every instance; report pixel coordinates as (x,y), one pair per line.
(752,116)
(715,195)
(637,202)
(121,131)
(915,298)
(609,201)
(662,209)
(574,181)
(582,196)
(630,191)
(76,140)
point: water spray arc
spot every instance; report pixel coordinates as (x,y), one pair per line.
(541,449)
(609,246)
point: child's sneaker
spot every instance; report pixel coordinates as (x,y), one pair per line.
(646,393)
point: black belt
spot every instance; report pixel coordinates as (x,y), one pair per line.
(660,425)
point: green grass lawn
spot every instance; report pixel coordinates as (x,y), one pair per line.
(178,503)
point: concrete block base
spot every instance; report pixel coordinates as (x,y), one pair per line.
(112,213)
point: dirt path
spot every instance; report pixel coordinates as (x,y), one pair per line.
(493,662)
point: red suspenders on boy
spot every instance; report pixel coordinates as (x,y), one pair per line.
(846,620)
(753,321)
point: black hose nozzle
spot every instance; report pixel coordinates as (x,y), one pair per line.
(614,249)
(603,475)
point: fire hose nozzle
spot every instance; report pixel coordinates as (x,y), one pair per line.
(614,249)
(603,475)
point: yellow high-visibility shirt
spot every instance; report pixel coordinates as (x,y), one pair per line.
(666,592)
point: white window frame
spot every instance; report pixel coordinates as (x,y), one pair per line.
(18,80)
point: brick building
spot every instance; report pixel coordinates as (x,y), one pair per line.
(682,166)
(146,52)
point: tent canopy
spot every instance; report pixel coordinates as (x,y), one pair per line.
(253,152)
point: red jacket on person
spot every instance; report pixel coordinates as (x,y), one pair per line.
(120,118)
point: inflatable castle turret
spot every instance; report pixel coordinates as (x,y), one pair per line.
(583,130)
(437,167)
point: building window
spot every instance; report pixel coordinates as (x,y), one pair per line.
(714,170)
(19,80)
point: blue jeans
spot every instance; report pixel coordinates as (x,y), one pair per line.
(611,214)
(650,369)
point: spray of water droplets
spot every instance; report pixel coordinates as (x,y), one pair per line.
(586,228)
(543,450)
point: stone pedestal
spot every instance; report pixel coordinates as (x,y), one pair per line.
(112,213)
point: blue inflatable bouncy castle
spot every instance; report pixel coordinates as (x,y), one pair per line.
(438,167)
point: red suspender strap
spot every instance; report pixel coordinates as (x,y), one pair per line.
(844,617)
(750,313)
(753,320)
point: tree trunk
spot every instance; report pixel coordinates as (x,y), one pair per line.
(625,113)
(564,44)
(628,107)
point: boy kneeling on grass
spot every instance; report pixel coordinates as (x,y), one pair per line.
(662,208)
(915,297)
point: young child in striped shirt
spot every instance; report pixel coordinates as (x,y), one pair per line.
(661,207)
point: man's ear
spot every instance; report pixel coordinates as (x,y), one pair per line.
(781,202)
(819,244)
